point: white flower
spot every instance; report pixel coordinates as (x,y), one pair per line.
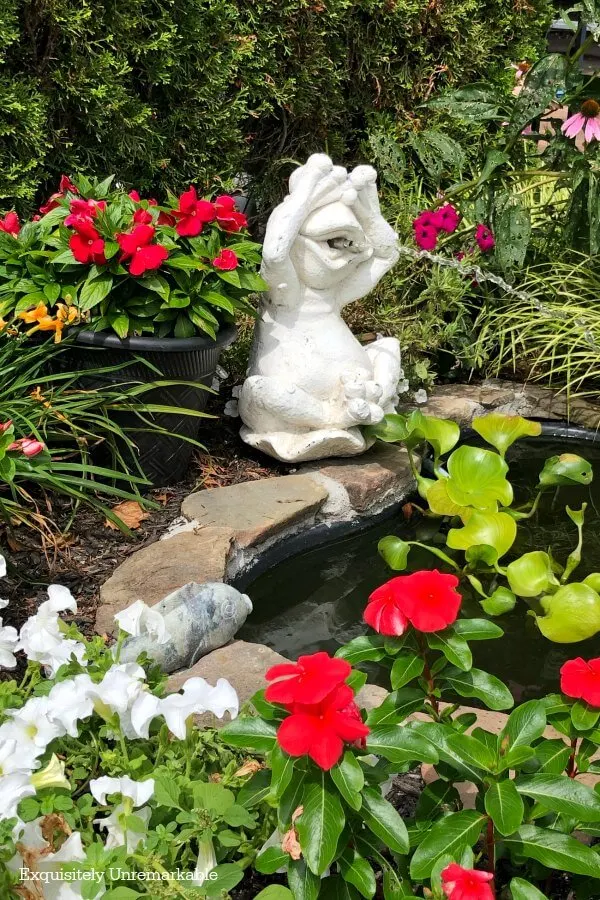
(16,757)
(198,697)
(206,862)
(134,794)
(13,789)
(34,854)
(421,396)
(121,685)
(2,567)
(142,621)
(144,708)
(53,775)
(70,701)
(9,639)
(41,636)
(32,725)
(139,792)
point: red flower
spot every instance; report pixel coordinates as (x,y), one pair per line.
(134,196)
(83,209)
(4,426)
(28,446)
(228,217)
(142,217)
(87,246)
(446,218)
(581,680)
(64,186)
(10,224)
(165,219)
(485,238)
(226,261)
(466,884)
(193,214)
(425,599)
(320,730)
(138,247)
(426,230)
(309,680)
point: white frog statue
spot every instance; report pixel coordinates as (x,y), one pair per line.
(311,384)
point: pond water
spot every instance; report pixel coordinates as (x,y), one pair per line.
(315,600)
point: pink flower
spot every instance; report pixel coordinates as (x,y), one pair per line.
(4,426)
(226,261)
(28,446)
(485,238)
(426,230)
(10,224)
(446,218)
(466,884)
(586,121)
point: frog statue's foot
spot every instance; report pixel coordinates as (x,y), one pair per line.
(320,444)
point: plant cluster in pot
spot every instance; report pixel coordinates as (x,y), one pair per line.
(154,288)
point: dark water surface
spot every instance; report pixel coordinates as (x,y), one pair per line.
(315,600)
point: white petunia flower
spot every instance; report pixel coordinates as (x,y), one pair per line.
(45,868)
(42,635)
(32,725)
(71,701)
(144,709)
(15,756)
(121,685)
(118,835)
(53,775)
(139,792)
(134,794)
(9,638)
(13,789)
(205,863)
(141,620)
(198,697)
(2,566)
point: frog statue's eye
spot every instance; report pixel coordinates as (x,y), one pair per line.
(346,243)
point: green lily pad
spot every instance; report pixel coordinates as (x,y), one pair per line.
(477,478)
(531,574)
(494,529)
(501,430)
(568,468)
(572,614)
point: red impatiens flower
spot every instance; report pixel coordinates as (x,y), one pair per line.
(138,247)
(142,217)
(427,599)
(193,214)
(65,186)
(228,217)
(466,884)
(426,230)
(226,261)
(446,218)
(10,224)
(581,680)
(485,239)
(83,209)
(320,730)
(133,195)
(28,447)
(166,219)
(307,681)
(86,245)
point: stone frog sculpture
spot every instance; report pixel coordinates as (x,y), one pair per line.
(311,384)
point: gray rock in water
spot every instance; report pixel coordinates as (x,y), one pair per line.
(199,618)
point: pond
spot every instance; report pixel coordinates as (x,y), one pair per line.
(315,600)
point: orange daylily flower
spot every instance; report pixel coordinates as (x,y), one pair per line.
(32,316)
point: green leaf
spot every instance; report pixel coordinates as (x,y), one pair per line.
(523,890)
(435,798)
(282,768)
(442,434)
(563,795)
(472,750)
(320,825)
(270,860)
(392,429)
(304,884)
(439,501)
(552,756)
(228,875)
(502,430)
(215,797)
(119,322)
(477,478)
(357,871)
(290,800)
(500,602)
(94,291)
(406,666)
(335,888)
(554,850)
(396,707)
(493,161)
(477,629)
(531,574)
(505,806)
(512,231)
(583,716)
(394,551)
(400,744)
(449,835)
(366,648)
(477,683)
(256,790)
(184,328)
(437,151)
(349,779)
(52,292)
(441,738)
(383,820)
(156,283)
(494,529)
(524,725)
(275,892)
(166,792)
(250,732)
(568,468)
(572,614)
(453,646)
(473,103)
(538,91)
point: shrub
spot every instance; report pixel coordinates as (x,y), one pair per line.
(166,93)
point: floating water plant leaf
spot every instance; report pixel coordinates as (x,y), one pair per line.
(568,468)
(439,501)
(501,430)
(493,529)
(394,551)
(392,428)
(531,574)
(572,614)
(442,434)
(593,581)
(477,478)
(500,602)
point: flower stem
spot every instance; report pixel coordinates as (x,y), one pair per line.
(428,677)
(572,765)
(491,852)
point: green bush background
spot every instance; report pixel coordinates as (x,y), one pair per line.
(163,92)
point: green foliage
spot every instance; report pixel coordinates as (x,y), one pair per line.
(167,93)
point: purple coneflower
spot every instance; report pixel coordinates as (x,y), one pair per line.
(586,120)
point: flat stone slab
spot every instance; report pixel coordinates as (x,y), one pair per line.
(383,471)
(158,570)
(256,510)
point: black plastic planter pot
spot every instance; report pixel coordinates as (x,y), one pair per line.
(164,458)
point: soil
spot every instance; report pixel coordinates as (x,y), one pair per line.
(86,555)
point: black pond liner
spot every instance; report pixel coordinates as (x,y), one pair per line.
(164,458)
(310,590)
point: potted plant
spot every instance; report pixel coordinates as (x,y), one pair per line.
(156,287)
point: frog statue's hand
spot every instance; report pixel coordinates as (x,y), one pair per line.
(311,186)
(379,233)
